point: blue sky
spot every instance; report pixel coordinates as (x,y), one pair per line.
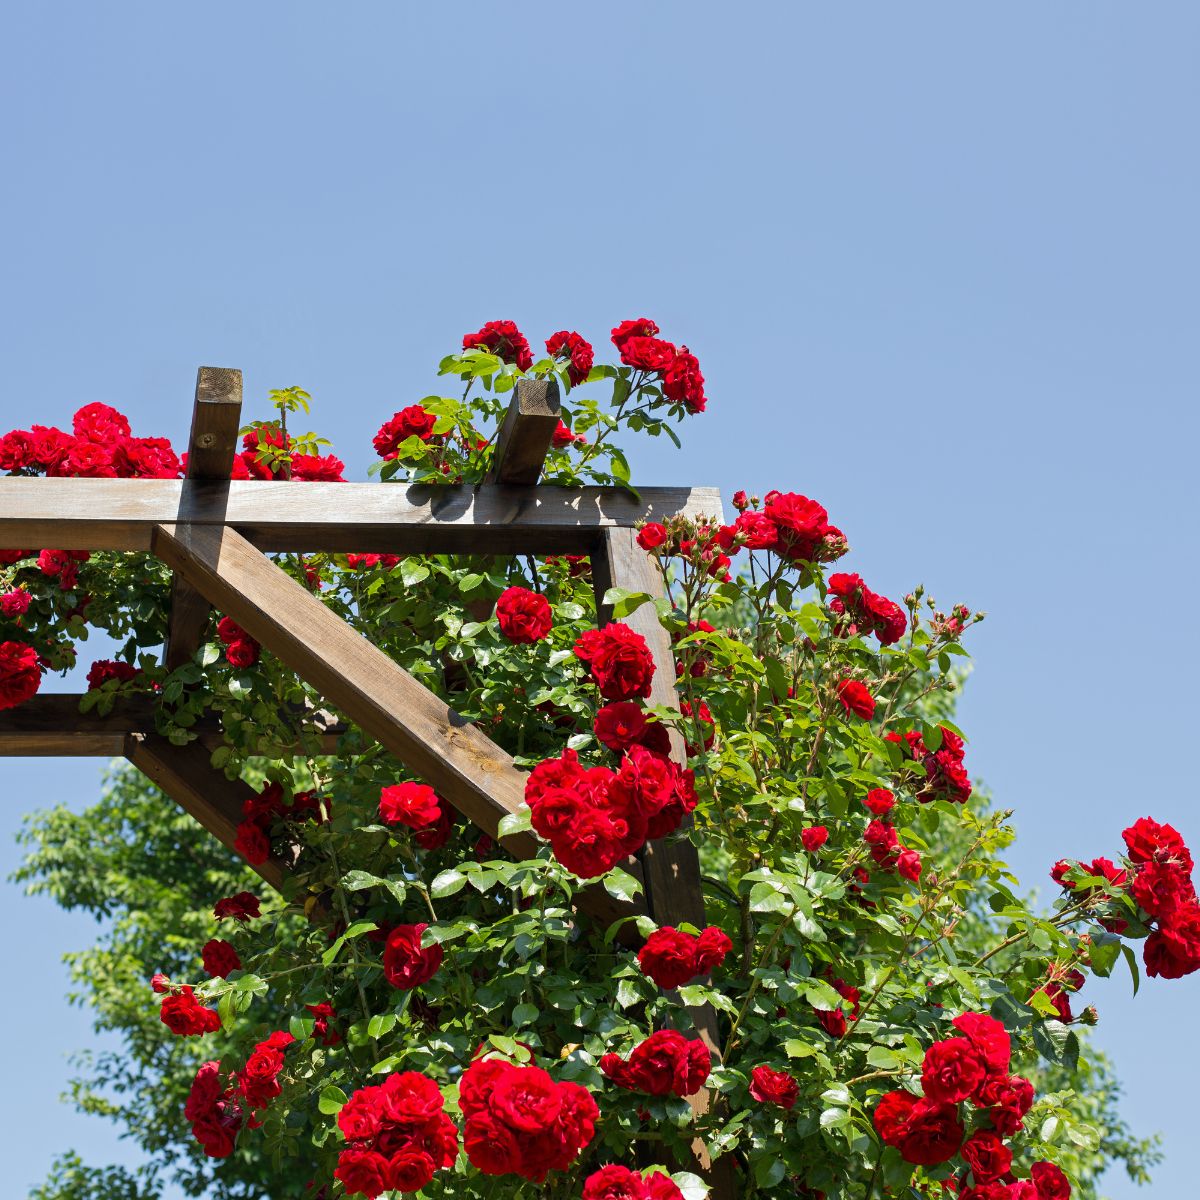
(938,261)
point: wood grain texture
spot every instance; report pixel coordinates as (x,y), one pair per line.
(121,514)
(185,774)
(449,753)
(51,725)
(526,433)
(212,444)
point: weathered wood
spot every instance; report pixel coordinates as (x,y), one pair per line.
(51,725)
(185,774)
(525,436)
(212,444)
(121,514)
(453,756)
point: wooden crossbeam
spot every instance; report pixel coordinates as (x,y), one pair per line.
(457,759)
(526,433)
(121,514)
(51,725)
(212,444)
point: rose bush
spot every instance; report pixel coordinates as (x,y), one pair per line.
(447,1023)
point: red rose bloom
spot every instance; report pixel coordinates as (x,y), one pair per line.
(683,383)
(413,804)
(318,468)
(406,964)
(1006,1101)
(242,907)
(505,341)
(640,327)
(651,535)
(647,353)
(908,865)
(412,421)
(814,837)
(952,1071)
(668,957)
(103,670)
(987,1156)
(252,842)
(523,616)
(856,699)
(614,1183)
(1149,841)
(623,725)
(801,526)
(14,603)
(619,661)
(711,947)
(185,1016)
(1159,888)
(924,1133)
(836,1021)
(146,458)
(774,1087)
(159,983)
(216,1116)
(989,1038)
(573,347)
(1173,949)
(665,1064)
(563,437)
(100,423)
(259,1078)
(20,674)
(220,958)
(880,801)
(1050,1182)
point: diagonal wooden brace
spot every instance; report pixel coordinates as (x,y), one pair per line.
(459,761)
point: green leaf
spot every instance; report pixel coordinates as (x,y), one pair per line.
(380,1024)
(447,883)
(794,1048)
(332,1100)
(413,571)
(518,822)
(623,602)
(1131,960)
(525,1014)
(620,885)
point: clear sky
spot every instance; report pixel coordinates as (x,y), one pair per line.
(939,263)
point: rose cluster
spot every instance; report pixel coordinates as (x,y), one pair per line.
(672,958)
(185,1016)
(1158,879)
(883,844)
(241,650)
(20,673)
(928,1130)
(100,446)
(282,460)
(620,1183)
(677,370)
(517,1120)
(665,1064)
(594,817)
(945,776)
(259,814)
(215,1111)
(864,612)
(619,661)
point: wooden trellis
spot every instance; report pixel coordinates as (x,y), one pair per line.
(215,533)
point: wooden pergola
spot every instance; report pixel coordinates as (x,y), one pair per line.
(215,534)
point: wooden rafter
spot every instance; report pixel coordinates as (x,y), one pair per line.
(526,433)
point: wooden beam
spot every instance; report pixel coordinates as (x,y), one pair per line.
(186,775)
(525,436)
(51,725)
(453,756)
(121,514)
(212,444)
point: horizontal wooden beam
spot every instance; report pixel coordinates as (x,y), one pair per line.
(121,514)
(466,768)
(525,436)
(50,725)
(212,444)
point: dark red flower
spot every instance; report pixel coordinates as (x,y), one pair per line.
(505,341)
(406,963)
(651,535)
(413,804)
(20,674)
(1050,1182)
(987,1156)
(220,958)
(577,349)
(100,423)
(619,660)
(814,837)
(523,616)
(856,699)
(185,1016)
(774,1087)
(412,421)
(1173,949)
(683,383)
(639,327)
(665,1064)
(952,1071)
(880,801)
(1149,841)
(242,907)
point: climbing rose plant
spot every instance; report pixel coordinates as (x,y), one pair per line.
(419,1012)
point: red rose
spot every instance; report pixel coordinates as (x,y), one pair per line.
(661,1187)
(523,616)
(892,1115)
(883,842)
(220,958)
(757,531)
(406,964)
(639,327)
(413,804)
(880,801)
(814,837)
(614,1183)
(20,674)
(100,424)
(242,907)
(619,661)
(933,1136)
(103,670)
(683,383)
(801,525)
(908,865)
(563,437)
(647,353)
(952,1071)
(242,654)
(1159,888)
(1050,1182)
(623,724)
(259,1078)
(668,957)
(505,341)
(88,460)
(412,421)
(836,1021)
(323,1032)
(666,1063)
(711,947)
(185,1016)
(363,1172)
(651,535)
(1023,1189)
(214,1112)
(990,1039)
(159,983)
(1006,1101)
(573,347)
(1173,949)
(856,699)
(146,458)
(774,1087)
(318,468)
(527,1100)
(1149,841)
(14,603)
(986,1155)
